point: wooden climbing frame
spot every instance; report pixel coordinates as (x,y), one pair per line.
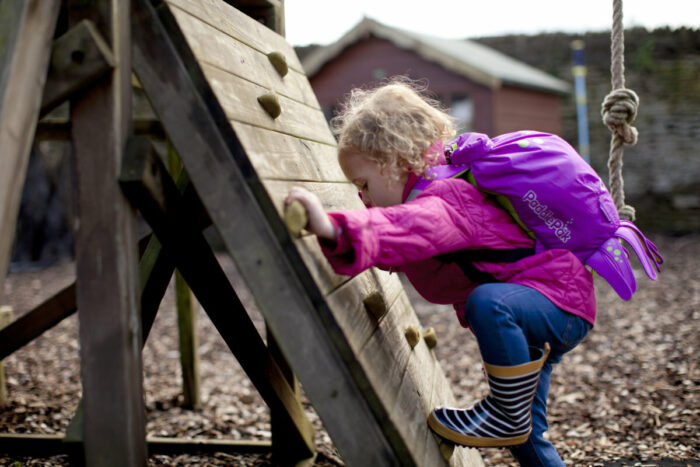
(232,99)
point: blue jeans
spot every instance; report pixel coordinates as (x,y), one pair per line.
(508,318)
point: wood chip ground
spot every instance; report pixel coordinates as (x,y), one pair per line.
(629,395)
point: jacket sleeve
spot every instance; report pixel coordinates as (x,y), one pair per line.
(432,224)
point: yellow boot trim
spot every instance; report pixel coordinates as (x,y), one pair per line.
(518,370)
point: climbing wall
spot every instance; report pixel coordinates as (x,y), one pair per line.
(238,63)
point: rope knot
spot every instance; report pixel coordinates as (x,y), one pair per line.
(619,110)
(627,212)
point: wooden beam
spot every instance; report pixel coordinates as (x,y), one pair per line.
(26,32)
(35,445)
(159,445)
(155,271)
(147,184)
(34,323)
(106,253)
(186,308)
(39,445)
(5,319)
(58,129)
(284,447)
(78,58)
(259,243)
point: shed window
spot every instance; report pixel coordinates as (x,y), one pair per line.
(462,109)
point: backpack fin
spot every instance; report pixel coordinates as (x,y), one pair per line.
(611,261)
(645,250)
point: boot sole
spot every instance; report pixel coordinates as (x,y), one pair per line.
(473,441)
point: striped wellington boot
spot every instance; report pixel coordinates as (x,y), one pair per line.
(503,417)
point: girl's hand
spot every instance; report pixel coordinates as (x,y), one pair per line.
(319,222)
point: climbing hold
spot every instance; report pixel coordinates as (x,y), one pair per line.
(295,217)
(375,305)
(279,61)
(271,103)
(430,337)
(412,334)
(447,448)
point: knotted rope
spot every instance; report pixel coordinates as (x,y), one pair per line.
(619,110)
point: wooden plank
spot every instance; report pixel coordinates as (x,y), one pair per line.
(321,271)
(278,156)
(26,32)
(159,445)
(32,324)
(261,247)
(227,19)
(268,12)
(106,255)
(333,196)
(35,445)
(413,403)
(59,129)
(41,445)
(78,58)
(356,322)
(156,269)
(5,319)
(385,355)
(222,51)
(149,187)
(239,99)
(284,448)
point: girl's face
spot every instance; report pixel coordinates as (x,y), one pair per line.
(379,189)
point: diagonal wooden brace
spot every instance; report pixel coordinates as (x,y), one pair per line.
(146,183)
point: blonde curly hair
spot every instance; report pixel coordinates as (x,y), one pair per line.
(394,125)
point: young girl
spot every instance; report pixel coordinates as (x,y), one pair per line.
(526,315)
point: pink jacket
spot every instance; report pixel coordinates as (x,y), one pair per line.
(451,215)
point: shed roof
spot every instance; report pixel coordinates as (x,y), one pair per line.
(467,58)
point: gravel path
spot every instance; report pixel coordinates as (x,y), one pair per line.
(628,395)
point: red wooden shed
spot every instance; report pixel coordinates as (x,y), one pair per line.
(486,91)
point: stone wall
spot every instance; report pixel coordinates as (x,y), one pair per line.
(662,172)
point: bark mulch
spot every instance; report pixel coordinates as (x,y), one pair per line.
(628,395)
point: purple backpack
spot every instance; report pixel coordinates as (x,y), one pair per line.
(554,195)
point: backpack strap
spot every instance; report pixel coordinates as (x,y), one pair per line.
(465,259)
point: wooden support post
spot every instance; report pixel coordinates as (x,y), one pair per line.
(187,329)
(26,32)
(147,184)
(106,254)
(78,58)
(5,319)
(186,306)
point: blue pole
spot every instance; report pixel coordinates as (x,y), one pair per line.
(579,71)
